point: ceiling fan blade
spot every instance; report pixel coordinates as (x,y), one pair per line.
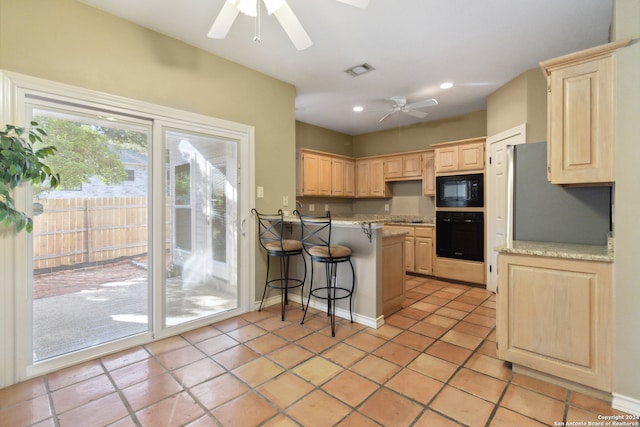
(421,104)
(292,27)
(416,113)
(357,3)
(224,21)
(385,116)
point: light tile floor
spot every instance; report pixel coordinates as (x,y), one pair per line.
(432,364)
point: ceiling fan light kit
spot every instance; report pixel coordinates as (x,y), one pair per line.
(280,8)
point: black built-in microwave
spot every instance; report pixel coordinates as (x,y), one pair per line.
(460,191)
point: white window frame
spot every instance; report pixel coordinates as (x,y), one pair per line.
(15,258)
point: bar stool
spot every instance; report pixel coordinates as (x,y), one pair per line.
(271,237)
(316,240)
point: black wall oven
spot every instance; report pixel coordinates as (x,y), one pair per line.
(460,191)
(460,235)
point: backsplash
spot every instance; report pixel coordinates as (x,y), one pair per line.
(407,200)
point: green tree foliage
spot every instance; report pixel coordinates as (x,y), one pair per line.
(84,151)
(22,152)
(130,140)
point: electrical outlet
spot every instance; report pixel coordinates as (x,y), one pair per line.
(312,207)
(285,200)
(326,208)
(260,191)
(386,207)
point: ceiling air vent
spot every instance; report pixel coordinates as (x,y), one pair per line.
(359,70)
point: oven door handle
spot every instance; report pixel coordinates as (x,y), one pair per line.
(458,220)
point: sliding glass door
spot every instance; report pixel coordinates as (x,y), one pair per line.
(90,276)
(142,239)
(202,216)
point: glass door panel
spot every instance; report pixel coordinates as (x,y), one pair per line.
(90,277)
(202,238)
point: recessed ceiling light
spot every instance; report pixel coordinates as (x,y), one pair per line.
(359,70)
(446,85)
(358,108)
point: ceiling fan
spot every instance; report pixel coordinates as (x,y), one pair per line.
(400,106)
(279,8)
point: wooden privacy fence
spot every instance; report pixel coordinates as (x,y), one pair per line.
(89,230)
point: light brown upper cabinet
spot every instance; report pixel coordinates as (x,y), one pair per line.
(363,178)
(428,174)
(349,177)
(459,156)
(580,115)
(320,174)
(370,178)
(343,183)
(403,167)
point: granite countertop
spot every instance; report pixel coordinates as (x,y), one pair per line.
(602,253)
(343,220)
(375,219)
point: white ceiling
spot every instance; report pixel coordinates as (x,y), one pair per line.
(414,45)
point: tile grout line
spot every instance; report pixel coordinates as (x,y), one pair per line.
(52,408)
(120,393)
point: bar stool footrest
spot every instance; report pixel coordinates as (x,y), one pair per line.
(323,293)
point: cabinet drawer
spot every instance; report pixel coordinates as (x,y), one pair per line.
(424,231)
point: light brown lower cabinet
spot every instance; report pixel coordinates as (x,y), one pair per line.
(418,247)
(423,250)
(392,273)
(554,317)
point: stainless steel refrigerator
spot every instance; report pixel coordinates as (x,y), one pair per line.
(544,212)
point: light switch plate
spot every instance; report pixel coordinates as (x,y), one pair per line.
(260,192)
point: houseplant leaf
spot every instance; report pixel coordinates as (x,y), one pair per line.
(20,162)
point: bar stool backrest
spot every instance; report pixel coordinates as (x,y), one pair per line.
(316,231)
(270,230)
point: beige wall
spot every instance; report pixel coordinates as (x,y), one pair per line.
(627,234)
(69,42)
(322,139)
(420,136)
(521,100)
(536,105)
(407,138)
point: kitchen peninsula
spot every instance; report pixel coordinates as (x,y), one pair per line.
(366,237)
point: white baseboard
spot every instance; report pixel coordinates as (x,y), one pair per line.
(367,321)
(625,404)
